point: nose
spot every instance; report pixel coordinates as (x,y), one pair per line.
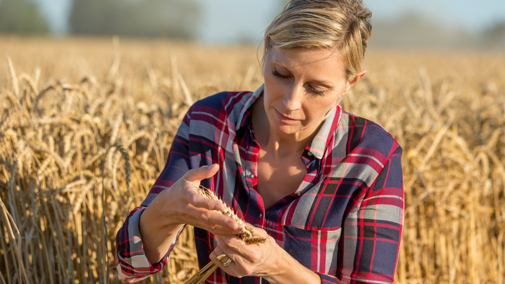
(292,97)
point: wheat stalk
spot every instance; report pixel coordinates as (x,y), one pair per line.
(246,234)
(126,158)
(14,78)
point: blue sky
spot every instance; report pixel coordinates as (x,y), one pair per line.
(231,20)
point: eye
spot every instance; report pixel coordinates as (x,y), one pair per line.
(277,74)
(315,91)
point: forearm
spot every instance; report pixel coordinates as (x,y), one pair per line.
(157,234)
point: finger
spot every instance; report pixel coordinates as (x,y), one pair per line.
(212,221)
(204,172)
(192,197)
(215,229)
(246,259)
(205,210)
(237,242)
(217,255)
(230,244)
(222,260)
(192,179)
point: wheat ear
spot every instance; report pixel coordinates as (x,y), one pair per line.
(246,234)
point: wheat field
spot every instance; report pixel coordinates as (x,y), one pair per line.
(65,102)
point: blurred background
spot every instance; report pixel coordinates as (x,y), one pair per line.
(407,24)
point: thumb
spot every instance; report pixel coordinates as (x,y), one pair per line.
(204,172)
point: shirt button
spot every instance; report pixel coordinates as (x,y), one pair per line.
(251,176)
(261,215)
(309,154)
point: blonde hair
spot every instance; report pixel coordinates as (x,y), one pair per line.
(340,24)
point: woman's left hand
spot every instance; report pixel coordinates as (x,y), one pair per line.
(261,259)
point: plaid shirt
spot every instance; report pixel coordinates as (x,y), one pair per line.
(344,221)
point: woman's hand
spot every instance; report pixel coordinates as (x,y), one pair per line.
(178,205)
(247,259)
(181,204)
(267,260)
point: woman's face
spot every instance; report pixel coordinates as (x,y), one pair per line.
(301,86)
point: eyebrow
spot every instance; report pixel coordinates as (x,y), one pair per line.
(327,84)
(281,64)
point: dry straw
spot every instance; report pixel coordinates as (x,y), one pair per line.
(57,125)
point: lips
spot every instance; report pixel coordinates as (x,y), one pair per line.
(284,118)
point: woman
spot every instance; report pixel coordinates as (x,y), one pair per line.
(324,187)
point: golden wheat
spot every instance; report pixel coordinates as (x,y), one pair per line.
(64,103)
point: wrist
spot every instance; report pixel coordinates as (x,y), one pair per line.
(162,213)
(156,220)
(157,233)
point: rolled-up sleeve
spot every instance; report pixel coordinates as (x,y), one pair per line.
(131,262)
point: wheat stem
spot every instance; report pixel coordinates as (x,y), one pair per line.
(14,78)
(246,234)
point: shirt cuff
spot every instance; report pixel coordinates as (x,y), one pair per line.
(132,261)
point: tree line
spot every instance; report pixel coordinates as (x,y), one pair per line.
(181,18)
(151,18)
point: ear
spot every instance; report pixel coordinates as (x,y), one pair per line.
(355,80)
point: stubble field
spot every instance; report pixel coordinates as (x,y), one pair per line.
(64,102)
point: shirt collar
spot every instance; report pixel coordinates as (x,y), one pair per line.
(242,121)
(323,137)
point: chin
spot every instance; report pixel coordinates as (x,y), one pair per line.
(288,129)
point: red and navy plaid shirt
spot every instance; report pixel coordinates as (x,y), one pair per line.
(344,221)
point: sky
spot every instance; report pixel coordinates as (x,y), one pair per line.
(472,15)
(235,20)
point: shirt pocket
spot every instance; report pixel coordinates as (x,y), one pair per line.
(317,249)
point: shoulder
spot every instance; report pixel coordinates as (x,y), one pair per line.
(223,100)
(365,136)
(228,104)
(215,112)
